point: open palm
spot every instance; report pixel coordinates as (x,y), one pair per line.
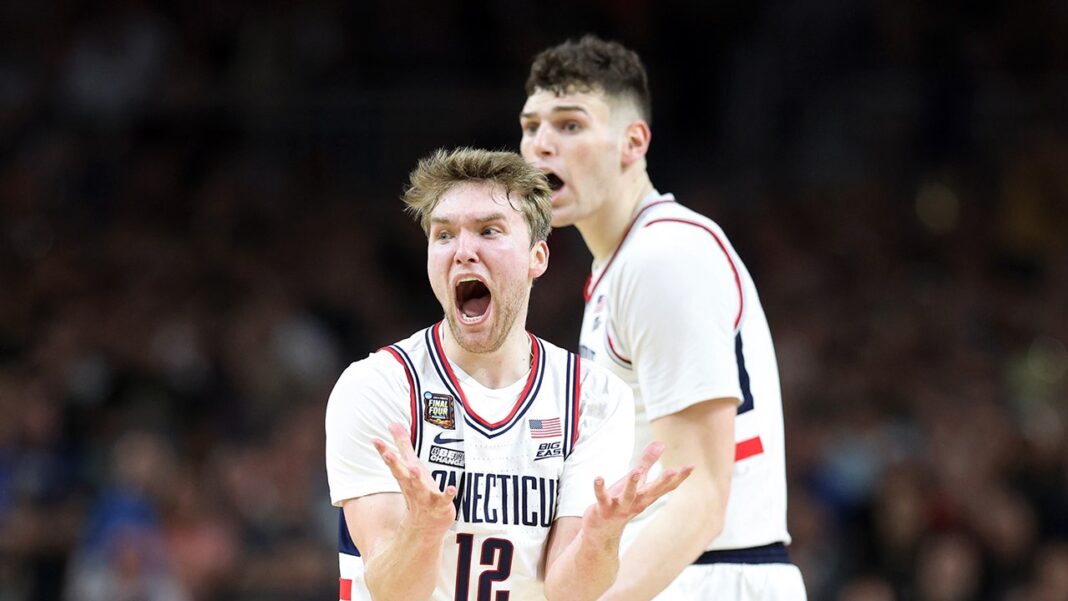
(428,507)
(631,495)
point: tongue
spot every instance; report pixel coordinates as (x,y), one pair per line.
(475,306)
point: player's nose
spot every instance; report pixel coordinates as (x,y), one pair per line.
(466,248)
(542,141)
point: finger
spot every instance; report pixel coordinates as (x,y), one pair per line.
(667,482)
(407,452)
(396,467)
(418,491)
(402,470)
(432,499)
(403,442)
(383,449)
(439,502)
(599,492)
(630,491)
(652,453)
(650,456)
(387,455)
(683,473)
(449,493)
(423,488)
(669,479)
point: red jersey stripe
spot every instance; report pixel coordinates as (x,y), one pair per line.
(411,390)
(748,448)
(535,366)
(592,285)
(612,348)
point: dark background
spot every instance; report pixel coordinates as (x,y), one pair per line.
(200,227)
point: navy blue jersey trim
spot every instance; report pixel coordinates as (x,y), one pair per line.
(569,393)
(773,553)
(743,377)
(417,416)
(618,359)
(437,356)
(344,539)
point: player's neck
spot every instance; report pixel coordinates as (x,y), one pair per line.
(495,369)
(604,230)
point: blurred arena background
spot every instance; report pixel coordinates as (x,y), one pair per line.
(200,227)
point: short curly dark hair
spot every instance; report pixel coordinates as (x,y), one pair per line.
(592,64)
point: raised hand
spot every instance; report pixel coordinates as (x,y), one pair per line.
(429,509)
(631,495)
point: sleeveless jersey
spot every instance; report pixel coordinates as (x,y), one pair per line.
(518,464)
(675,314)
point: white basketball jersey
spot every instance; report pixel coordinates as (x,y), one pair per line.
(675,314)
(518,464)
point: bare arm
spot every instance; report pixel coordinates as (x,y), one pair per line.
(701,435)
(400,536)
(582,558)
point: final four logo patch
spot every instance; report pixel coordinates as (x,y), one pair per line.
(438,410)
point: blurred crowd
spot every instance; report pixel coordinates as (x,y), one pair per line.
(200,227)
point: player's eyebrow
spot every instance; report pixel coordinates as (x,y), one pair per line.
(497,216)
(562,108)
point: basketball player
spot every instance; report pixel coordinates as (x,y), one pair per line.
(494,485)
(671,309)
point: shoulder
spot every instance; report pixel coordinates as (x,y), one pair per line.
(378,372)
(674,238)
(599,384)
(675,226)
(594,380)
(380,363)
(373,390)
(393,361)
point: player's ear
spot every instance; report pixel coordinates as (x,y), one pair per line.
(539,259)
(636,138)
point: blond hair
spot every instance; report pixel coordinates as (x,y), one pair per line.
(525,187)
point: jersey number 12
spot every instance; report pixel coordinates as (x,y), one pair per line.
(496,552)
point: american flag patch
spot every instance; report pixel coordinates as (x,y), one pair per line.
(545,428)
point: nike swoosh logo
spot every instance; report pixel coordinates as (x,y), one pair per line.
(439,440)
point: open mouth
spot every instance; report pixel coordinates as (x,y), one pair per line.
(473,300)
(555,183)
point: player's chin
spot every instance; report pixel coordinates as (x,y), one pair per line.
(561,199)
(562,217)
(472,335)
(476,342)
